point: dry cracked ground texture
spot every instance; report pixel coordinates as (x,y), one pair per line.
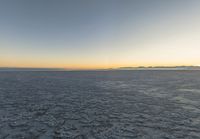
(100,105)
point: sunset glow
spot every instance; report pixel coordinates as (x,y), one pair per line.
(99,34)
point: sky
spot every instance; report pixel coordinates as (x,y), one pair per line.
(93,34)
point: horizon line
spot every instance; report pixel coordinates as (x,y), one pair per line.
(89,69)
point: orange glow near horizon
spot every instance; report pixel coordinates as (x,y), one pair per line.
(79,66)
(100,36)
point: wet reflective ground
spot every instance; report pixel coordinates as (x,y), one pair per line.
(100,105)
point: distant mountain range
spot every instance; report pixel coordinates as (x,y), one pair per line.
(120,68)
(161,68)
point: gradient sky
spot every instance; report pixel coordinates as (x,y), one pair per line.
(85,34)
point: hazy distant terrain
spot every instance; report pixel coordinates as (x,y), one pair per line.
(100,104)
(161,68)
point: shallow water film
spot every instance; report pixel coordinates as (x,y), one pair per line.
(100,105)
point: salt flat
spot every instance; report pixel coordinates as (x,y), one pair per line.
(100,104)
